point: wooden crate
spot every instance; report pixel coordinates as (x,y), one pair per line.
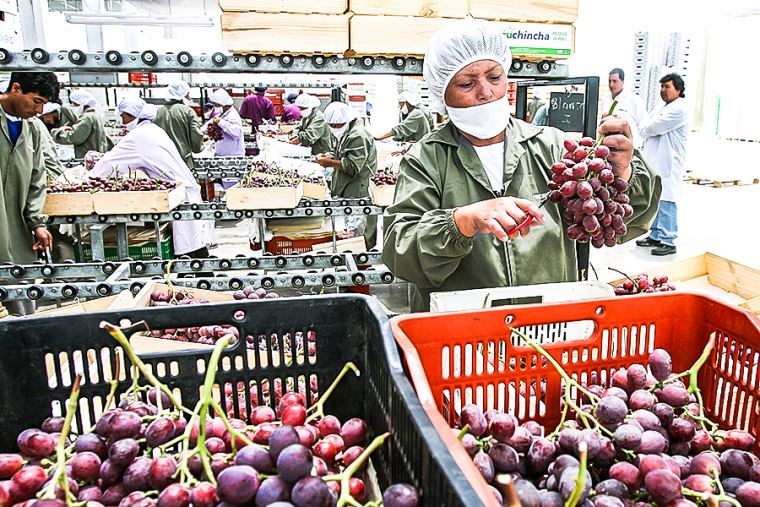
(314,191)
(421,8)
(544,11)
(123,203)
(721,274)
(263,198)
(293,6)
(299,33)
(396,35)
(123,299)
(68,203)
(382,195)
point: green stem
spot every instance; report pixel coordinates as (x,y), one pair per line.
(119,336)
(59,474)
(235,434)
(710,498)
(580,481)
(625,275)
(463,432)
(318,407)
(601,137)
(345,476)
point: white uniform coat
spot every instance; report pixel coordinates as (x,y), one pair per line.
(631,108)
(148,148)
(665,134)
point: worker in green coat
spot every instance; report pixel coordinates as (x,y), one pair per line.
(463,188)
(88,133)
(22,167)
(312,131)
(416,123)
(354,161)
(180,122)
(67,117)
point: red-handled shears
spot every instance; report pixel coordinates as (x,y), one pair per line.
(542,199)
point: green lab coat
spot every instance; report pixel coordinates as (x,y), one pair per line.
(88,134)
(52,164)
(67,116)
(428,116)
(23,187)
(442,173)
(314,132)
(358,157)
(414,127)
(183,127)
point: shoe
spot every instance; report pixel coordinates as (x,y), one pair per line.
(664,250)
(648,242)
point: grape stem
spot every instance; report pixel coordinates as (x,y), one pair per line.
(345,476)
(117,333)
(319,406)
(59,472)
(463,432)
(580,480)
(636,285)
(569,382)
(602,136)
(710,498)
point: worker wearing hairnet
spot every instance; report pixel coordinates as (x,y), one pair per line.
(464,187)
(228,120)
(147,147)
(257,107)
(417,123)
(290,112)
(180,122)
(312,131)
(353,160)
(50,116)
(88,133)
(52,163)
(67,117)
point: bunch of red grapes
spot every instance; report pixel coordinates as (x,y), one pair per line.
(132,458)
(214,132)
(642,284)
(385,177)
(118,184)
(60,188)
(646,442)
(594,199)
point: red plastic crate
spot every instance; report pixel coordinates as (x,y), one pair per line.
(471,357)
(282,245)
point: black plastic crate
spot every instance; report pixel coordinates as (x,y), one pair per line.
(347,328)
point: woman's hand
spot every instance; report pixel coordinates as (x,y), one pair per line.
(497,216)
(619,139)
(44,239)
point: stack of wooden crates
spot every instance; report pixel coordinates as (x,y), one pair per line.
(365,27)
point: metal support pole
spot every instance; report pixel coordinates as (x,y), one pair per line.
(122,241)
(262,234)
(80,247)
(334,235)
(96,241)
(157,226)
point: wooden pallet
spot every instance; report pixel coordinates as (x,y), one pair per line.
(722,183)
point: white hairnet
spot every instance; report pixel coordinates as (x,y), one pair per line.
(178,90)
(307,101)
(338,112)
(138,108)
(457,45)
(50,107)
(221,97)
(410,97)
(83,98)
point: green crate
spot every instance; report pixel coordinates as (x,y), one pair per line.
(139,252)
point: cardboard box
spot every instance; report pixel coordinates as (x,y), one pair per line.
(393,35)
(282,33)
(294,6)
(263,198)
(557,11)
(68,203)
(382,195)
(125,203)
(421,8)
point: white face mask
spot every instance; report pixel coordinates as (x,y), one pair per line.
(306,112)
(79,110)
(131,125)
(405,110)
(338,133)
(186,101)
(484,121)
(219,110)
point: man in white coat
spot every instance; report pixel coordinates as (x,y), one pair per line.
(147,147)
(665,135)
(629,105)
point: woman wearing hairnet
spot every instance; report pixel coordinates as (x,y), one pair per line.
(353,160)
(88,133)
(465,186)
(228,120)
(147,147)
(312,131)
(180,122)
(417,123)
